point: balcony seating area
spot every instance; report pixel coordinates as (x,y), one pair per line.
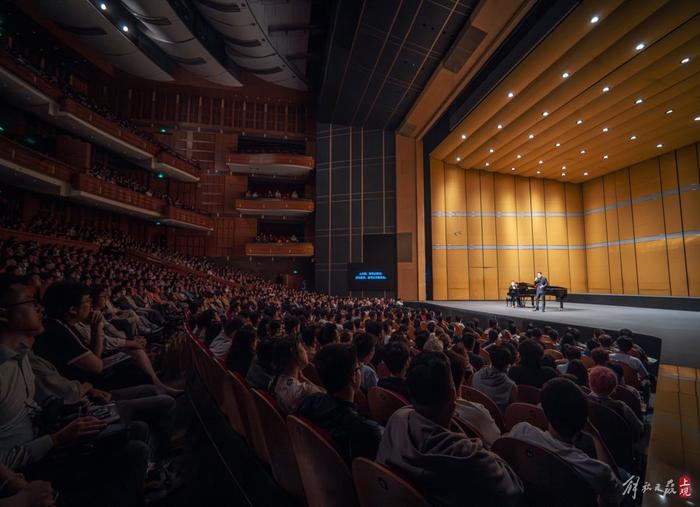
(270,164)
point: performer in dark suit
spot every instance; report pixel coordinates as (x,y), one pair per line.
(540,285)
(512,298)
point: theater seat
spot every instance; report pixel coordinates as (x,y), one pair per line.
(616,434)
(528,394)
(519,412)
(472,394)
(628,397)
(326,477)
(549,480)
(383,403)
(282,459)
(466,427)
(630,375)
(382,370)
(377,486)
(251,419)
(587,362)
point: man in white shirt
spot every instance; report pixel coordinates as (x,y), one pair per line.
(625,345)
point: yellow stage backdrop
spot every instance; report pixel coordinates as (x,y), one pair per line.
(635,231)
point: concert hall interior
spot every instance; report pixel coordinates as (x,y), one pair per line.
(349,253)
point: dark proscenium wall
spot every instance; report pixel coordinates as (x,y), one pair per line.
(355,197)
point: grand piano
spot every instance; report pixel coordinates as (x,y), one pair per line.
(527,290)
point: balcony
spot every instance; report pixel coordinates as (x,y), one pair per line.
(26,168)
(275,207)
(104,194)
(176,167)
(23,85)
(279,250)
(179,217)
(270,164)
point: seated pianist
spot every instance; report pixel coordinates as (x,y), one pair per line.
(513,295)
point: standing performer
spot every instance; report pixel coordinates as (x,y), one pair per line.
(540,285)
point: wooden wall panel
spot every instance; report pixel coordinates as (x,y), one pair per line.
(456,234)
(687,164)
(490,240)
(526,261)
(576,238)
(678,275)
(474,235)
(437,196)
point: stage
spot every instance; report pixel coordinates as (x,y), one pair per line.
(677,330)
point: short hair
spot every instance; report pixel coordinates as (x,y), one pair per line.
(578,371)
(605,340)
(531,353)
(600,356)
(232,325)
(458,367)
(564,405)
(290,322)
(396,354)
(365,343)
(625,343)
(602,380)
(434,345)
(61,296)
(500,357)
(335,364)
(286,350)
(571,352)
(422,336)
(308,335)
(373,327)
(329,334)
(429,379)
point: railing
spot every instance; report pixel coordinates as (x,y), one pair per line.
(166,158)
(189,217)
(271,159)
(30,159)
(28,75)
(279,249)
(108,190)
(292,205)
(46,240)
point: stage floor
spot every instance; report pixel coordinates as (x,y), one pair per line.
(677,329)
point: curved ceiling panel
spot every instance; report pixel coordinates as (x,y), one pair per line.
(83,20)
(164,27)
(260,34)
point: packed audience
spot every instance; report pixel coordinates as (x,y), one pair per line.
(276,238)
(270,194)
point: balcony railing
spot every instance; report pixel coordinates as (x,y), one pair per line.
(270,163)
(166,158)
(30,159)
(187,216)
(286,207)
(108,190)
(279,250)
(27,75)
(42,239)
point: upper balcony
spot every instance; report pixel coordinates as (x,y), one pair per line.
(279,250)
(275,207)
(179,217)
(176,167)
(270,164)
(26,168)
(105,194)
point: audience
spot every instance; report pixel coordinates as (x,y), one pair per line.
(530,371)
(289,386)
(397,357)
(494,381)
(603,382)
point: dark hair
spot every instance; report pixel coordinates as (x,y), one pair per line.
(373,327)
(308,335)
(241,353)
(578,370)
(600,356)
(286,350)
(422,336)
(565,406)
(501,357)
(335,364)
(232,325)
(290,322)
(429,379)
(264,352)
(458,367)
(205,318)
(329,334)
(61,296)
(396,353)
(365,344)
(531,353)
(212,332)
(625,343)
(571,352)
(468,339)
(605,340)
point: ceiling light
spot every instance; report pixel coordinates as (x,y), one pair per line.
(458,159)
(582,152)
(594,20)
(531,136)
(487,164)
(606,89)
(605,157)
(464,136)
(519,156)
(605,129)
(659,145)
(639,101)
(499,126)
(565,75)
(541,162)
(490,150)
(563,168)
(632,138)
(563,174)
(685,60)
(579,122)
(512,168)
(669,111)
(103,6)
(538,172)
(697,118)
(558,145)
(585,174)
(640,46)
(545,113)
(125,28)
(511,95)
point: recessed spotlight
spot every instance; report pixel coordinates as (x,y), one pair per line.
(563,168)
(632,138)
(579,122)
(558,145)
(594,20)
(582,152)
(103,6)
(639,101)
(512,168)
(640,46)
(659,145)
(538,172)
(669,111)
(606,89)
(605,129)
(545,113)
(125,28)
(697,118)
(458,159)
(563,174)
(511,95)
(531,136)
(499,126)
(585,174)
(487,164)
(519,156)
(490,150)
(685,60)
(464,136)
(541,162)
(605,157)
(565,75)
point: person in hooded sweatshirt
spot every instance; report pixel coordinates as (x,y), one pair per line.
(449,468)
(494,381)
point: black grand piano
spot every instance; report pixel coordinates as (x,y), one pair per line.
(527,290)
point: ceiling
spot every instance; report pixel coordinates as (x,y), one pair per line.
(615,83)
(381,55)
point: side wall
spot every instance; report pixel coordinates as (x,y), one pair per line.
(642,227)
(490,228)
(355,197)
